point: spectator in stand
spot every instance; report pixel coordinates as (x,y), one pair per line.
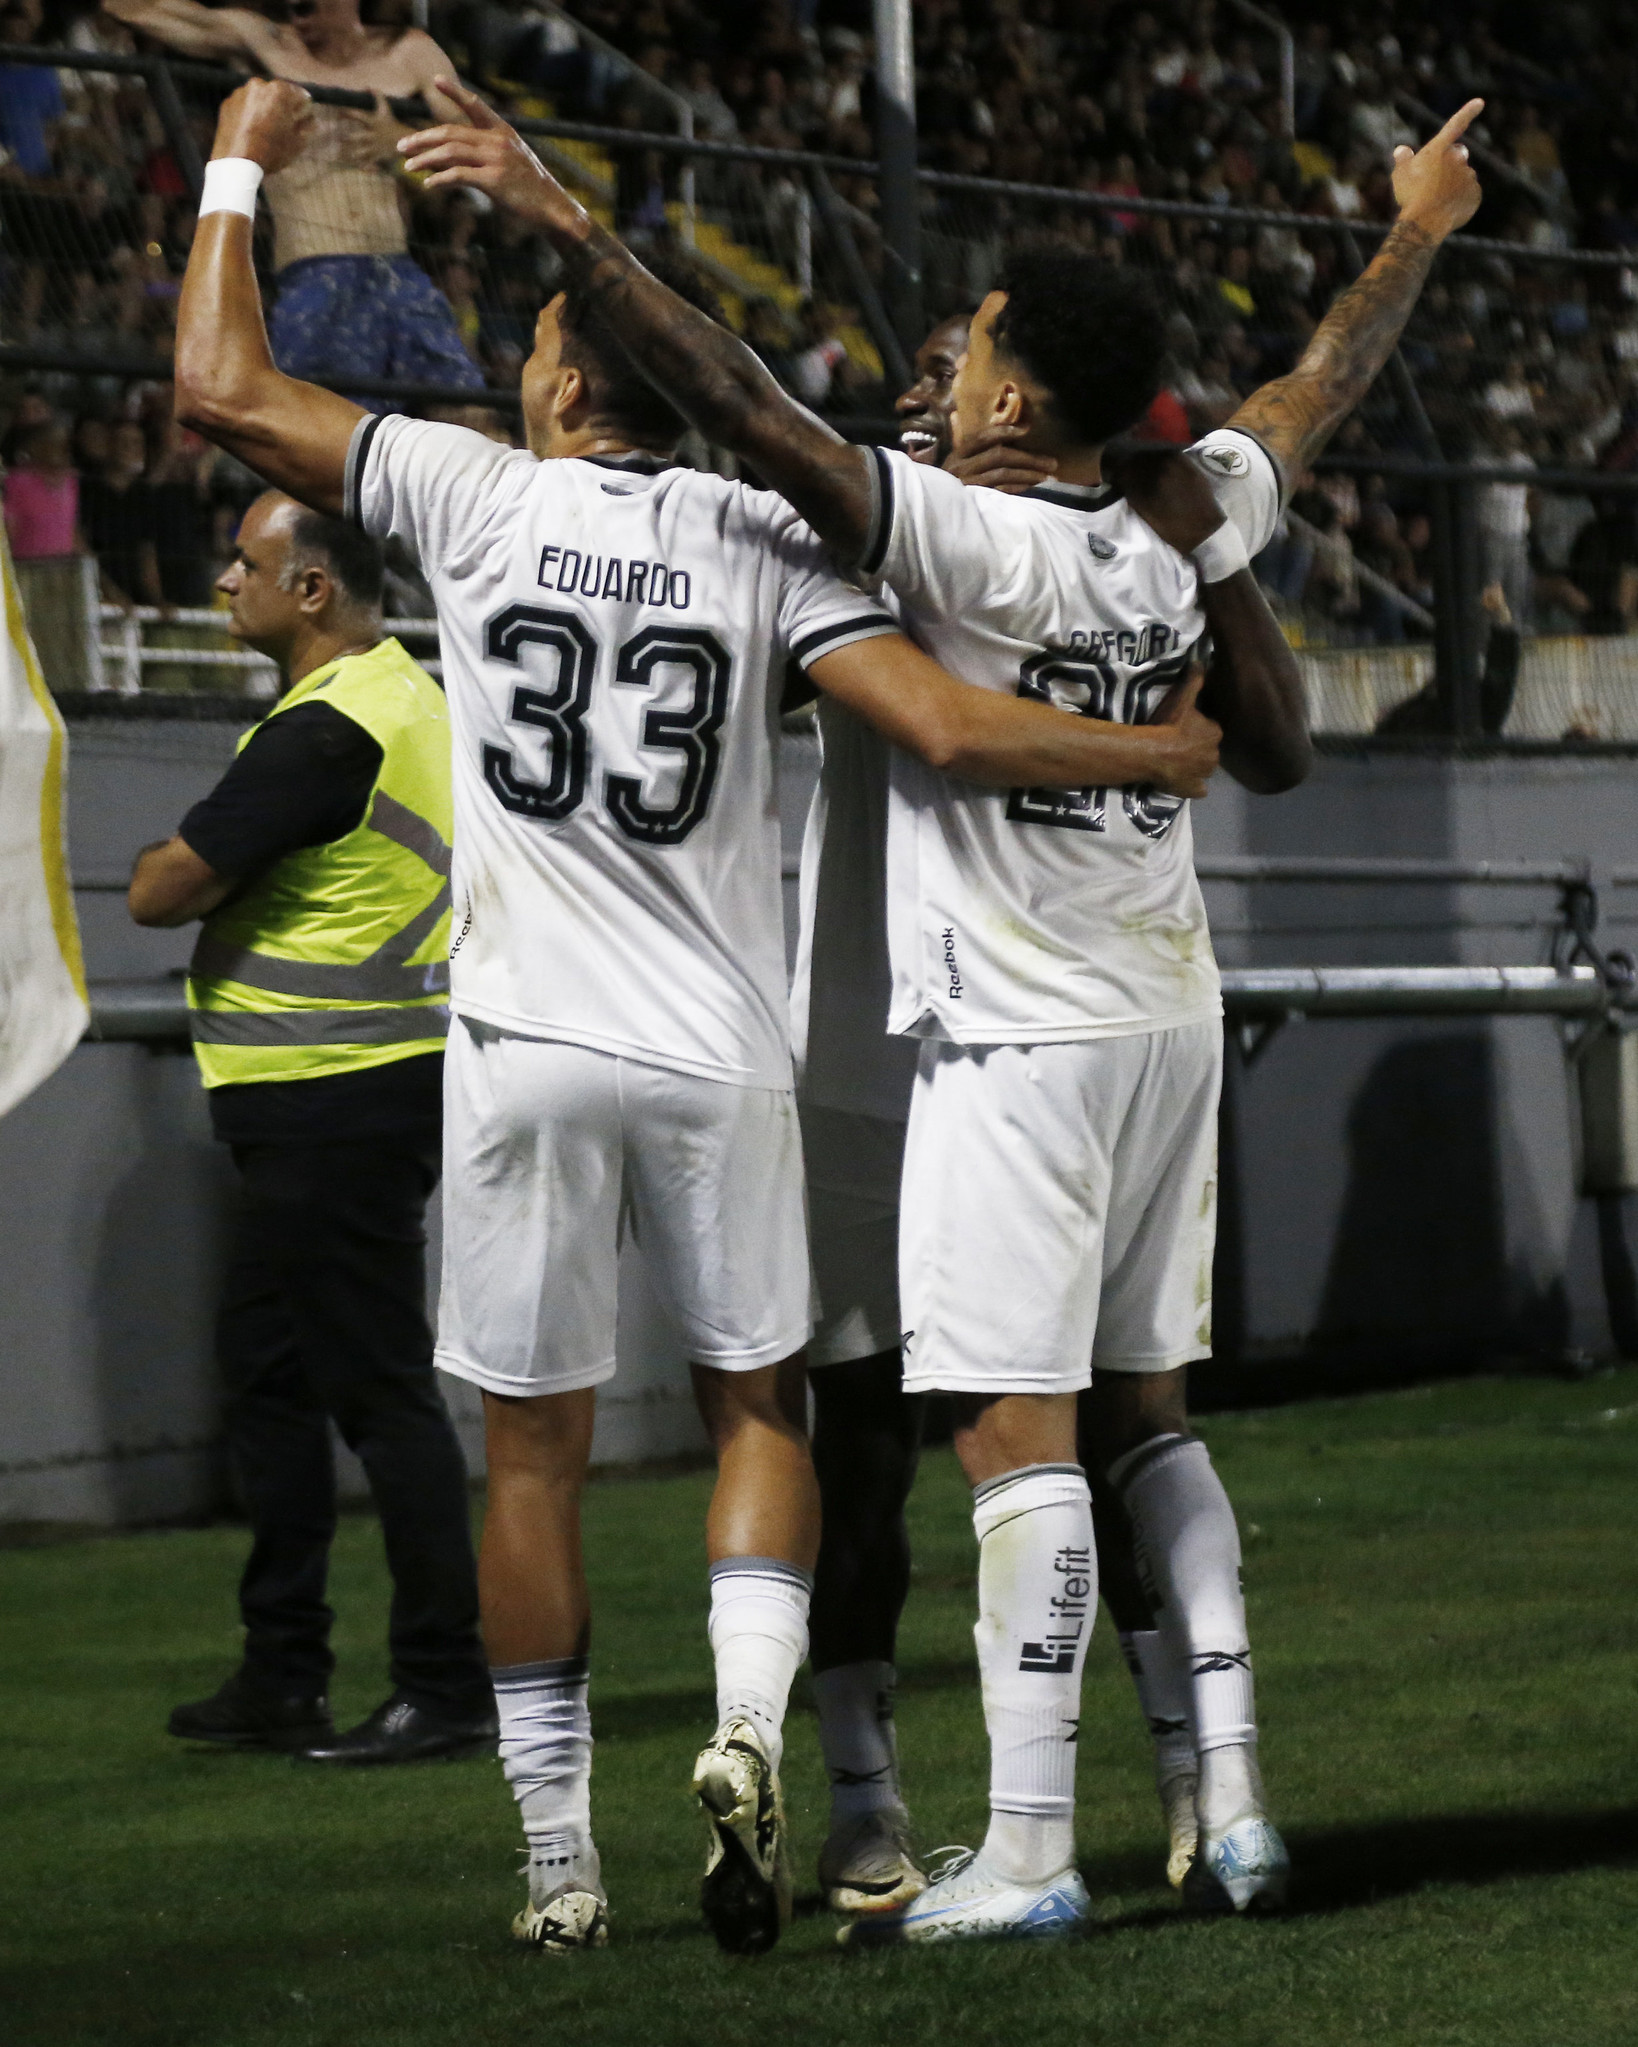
(42,497)
(116,514)
(1604,565)
(31,102)
(820,366)
(1509,396)
(1504,521)
(350,299)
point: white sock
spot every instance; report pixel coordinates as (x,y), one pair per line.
(1189,1554)
(546,1752)
(1165,1695)
(1037,1595)
(855,1703)
(759,1636)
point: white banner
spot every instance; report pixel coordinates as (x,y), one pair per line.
(43,1008)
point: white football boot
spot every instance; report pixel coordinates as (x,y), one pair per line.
(966,1900)
(1177,1794)
(867,1864)
(1242,1868)
(564,1912)
(745,1893)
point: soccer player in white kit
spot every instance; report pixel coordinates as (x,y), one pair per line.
(854,1090)
(614,630)
(1052,951)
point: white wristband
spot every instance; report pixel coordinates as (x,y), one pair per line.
(231,185)
(1221,554)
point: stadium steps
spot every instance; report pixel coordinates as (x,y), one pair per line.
(736,272)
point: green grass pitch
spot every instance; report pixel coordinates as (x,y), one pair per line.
(1442,1588)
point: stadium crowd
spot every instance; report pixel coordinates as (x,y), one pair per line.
(1523,362)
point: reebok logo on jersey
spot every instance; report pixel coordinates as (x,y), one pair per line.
(1101,550)
(1226,461)
(950,967)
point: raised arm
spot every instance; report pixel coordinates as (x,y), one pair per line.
(1254,688)
(709,374)
(979,735)
(1437,192)
(199,31)
(227,387)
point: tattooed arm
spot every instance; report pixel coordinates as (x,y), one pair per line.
(710,375)
(1437,191)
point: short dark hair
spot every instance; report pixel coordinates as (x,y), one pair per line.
(351,558)
(1089,332)
(616,389)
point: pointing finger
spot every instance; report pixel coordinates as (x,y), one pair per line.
(1457,125)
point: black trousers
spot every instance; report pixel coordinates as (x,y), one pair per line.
(324,1318)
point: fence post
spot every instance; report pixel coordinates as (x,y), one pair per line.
(685,183)
(895,360)
(896,151)
(168,105)
(804,242)
(96,672)
(1456,576)
(130,643)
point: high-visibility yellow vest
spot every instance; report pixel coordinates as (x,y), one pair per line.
(337,958)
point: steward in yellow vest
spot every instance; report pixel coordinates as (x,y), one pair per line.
(320,867)
(337,956)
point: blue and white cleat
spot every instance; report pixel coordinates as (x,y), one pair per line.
(966,1900)
(1243,1869)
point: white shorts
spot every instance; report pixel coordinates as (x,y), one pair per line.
(854,1163)
(1059,1210)
(548,1149)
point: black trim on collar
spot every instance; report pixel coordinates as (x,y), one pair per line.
(1076,497)
(639,460)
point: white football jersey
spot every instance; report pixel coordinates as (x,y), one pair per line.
(1031,915)
(614,636)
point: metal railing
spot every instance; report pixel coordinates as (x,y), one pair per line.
(122,660)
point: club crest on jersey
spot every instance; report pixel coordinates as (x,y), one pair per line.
(1226,461)
(1101,550)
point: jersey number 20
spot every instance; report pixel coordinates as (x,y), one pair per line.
(693,729)
(1094,690)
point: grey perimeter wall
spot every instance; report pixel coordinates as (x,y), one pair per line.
(1397,1197)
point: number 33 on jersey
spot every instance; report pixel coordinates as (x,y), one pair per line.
(614,635)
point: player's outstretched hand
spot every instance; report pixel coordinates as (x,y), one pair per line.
(1190,740)
(1167,489)
(996,462)
(270,121)
(1435,185)
(494,159)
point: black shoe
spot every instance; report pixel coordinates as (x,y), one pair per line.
(245,1715)
(402,1732)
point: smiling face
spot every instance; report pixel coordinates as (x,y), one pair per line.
(924,410)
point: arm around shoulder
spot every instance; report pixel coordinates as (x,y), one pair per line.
(1001,741)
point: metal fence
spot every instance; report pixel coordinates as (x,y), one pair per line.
(1463,563)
